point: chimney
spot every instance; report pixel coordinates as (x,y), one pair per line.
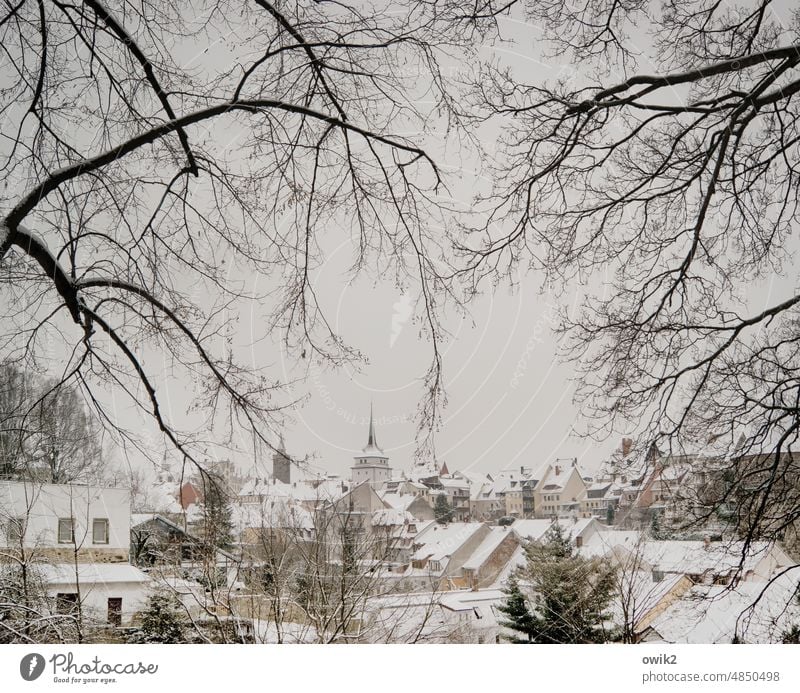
(557,470)
(706,542)
(627,446)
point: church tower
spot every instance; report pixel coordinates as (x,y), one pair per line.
(281,466)
(371,464)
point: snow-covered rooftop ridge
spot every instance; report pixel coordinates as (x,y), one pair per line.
(438,541)
(486,548)
(535,530)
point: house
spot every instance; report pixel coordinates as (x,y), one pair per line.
(164,547)
(752,612)
(600,496)
(441,550)
(109,593)
(395,531)
(75,540)
(456,616)
(189,494)
(508,489)
(484,502)
(474,614)
(458,494)
(560,490)
(65,522)
(272,517)
(415,505)
(704,562)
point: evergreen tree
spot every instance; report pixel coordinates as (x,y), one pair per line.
(518,617)
(442,510)
(217,519)
(655,527)
(610,514)
(161,622)
(569,594)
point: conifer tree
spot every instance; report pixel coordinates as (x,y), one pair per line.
(569,594)
(217,517)
(161,622)
(655,527)
(442,510)
(518,617)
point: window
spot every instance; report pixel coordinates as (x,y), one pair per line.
(100,531)
(15,530)
(66,534)
(115,611)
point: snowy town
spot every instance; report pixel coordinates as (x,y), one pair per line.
(400,322)
(422,555)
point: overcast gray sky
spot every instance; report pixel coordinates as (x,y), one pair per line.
(510,399)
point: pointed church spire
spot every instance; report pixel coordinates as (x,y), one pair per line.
(371,440)
(372,449)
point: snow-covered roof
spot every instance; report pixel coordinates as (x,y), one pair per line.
(757,612)
(391,517)
(686,557)
(483,491)
(472,477)
(486,548)
(439,541)
(141,518)
(641,594)
(517,560)
(162,497)
(453,483)
(699,557)
(300,491)
(467,600)
(425,470)
(534,530)
(280,513)
(401,501)
(603,543)
(91,573)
